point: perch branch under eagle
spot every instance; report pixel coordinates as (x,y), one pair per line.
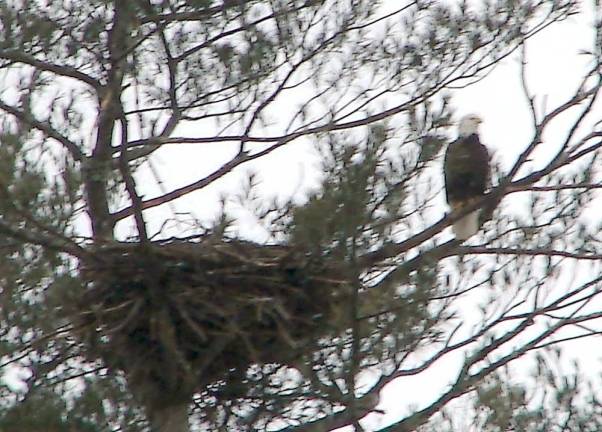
(466,170)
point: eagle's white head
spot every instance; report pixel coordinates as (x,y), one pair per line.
(469,124)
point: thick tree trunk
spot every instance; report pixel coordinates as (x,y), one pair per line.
(99,165)
(173,418)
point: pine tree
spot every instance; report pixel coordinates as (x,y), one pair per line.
(123,311)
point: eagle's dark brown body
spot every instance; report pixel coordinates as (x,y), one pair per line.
(466,169)
(466,172)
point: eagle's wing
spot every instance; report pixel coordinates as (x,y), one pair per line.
(466,169)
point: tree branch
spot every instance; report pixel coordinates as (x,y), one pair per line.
(483,250)
(61,70)
(177,193)
(99,165)
(130,185)
(45,128)
(364,406)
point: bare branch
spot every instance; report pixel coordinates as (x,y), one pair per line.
(61,70)
(483,250)
(579,96)
(365,405)
(46,129)
(554,188)
(130,184)
(177,193)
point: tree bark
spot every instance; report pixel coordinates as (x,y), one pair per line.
(172,418)
(99,165)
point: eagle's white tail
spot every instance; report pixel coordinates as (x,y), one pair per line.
(467,226)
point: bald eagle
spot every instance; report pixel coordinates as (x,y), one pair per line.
(466,171)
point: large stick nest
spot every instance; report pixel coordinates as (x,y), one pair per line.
(178,316)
